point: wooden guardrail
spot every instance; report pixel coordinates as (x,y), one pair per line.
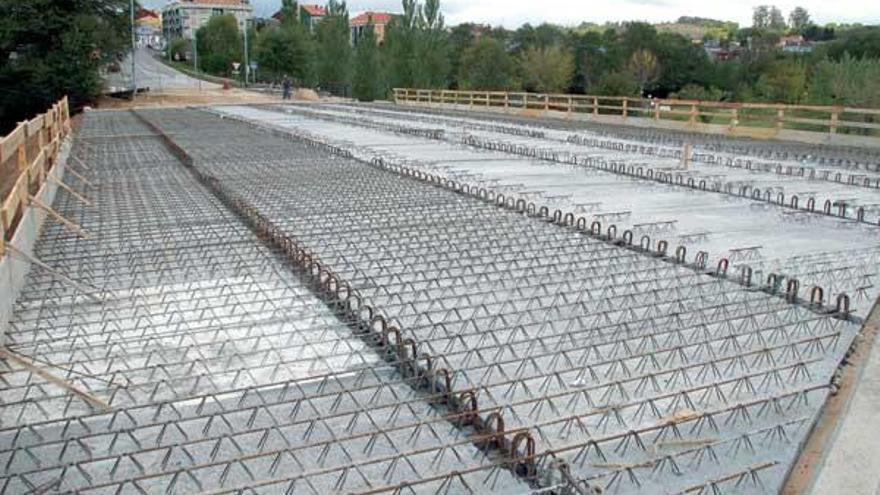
(28,156)
(824,119)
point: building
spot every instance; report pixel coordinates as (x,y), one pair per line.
(379,21)
(795,44)
(722,52)
(309,15)
(182,18)
(148,29)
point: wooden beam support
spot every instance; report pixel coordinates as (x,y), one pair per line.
(84,288)
(72,226)
(30,365)
(70,190)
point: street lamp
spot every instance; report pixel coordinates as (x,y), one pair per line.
(133,72)
(247,65)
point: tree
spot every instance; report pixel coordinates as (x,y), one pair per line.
(178,49)
(860,42)
(768,17)
(617,83)
(431,48)
(777,22)
(849,81)
(219,43)
(799,19)
(49,49)
(289,13)
(547,69)
(486,66)
(367,74)
(334,54)
(416,44)
(681,62)
(784,81)
(644,68)
(285,50)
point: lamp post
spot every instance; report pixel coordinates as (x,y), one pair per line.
(133,52)
(247,64)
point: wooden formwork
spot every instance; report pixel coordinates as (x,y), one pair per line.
(28,156)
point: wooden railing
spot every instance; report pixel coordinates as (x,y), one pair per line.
(28,156)
(770,116)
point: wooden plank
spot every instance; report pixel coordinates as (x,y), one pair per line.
(34,125)
(49,377)
(9,144)
(72,226)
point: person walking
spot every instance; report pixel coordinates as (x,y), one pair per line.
(285,87)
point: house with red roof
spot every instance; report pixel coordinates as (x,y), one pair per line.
(309,15)
(379,20)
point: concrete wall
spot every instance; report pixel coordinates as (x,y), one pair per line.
(716,129)
(13,269)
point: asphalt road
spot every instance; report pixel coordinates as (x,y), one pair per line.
(154,75)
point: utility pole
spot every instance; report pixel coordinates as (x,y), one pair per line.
(133,52)
(247,64)
(196,56)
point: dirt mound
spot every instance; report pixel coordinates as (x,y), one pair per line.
(306,95)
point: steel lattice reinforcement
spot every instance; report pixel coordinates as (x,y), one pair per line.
(268,311)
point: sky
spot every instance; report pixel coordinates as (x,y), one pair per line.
(513,13)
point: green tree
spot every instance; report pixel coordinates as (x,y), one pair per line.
(178,49)
(334,54)
(432,57)
(617,83)
(785,81)
(799,19)
(220,43)
(289,13)
(285,50)
(486,65)
(644,67)
(50,48)
(547,69)
(849,81)
(367,74)
(768,17)
(592,58)
(860,42)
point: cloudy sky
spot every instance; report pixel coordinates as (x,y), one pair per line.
(512,13)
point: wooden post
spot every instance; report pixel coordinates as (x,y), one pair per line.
(686,156)
(595,105)
(835,116)
(693,113)
(625,106)
(656,109)
(546,102)
(569,107)
(734,118)
(780,118)
(506,100)
(488,99)
(471,94)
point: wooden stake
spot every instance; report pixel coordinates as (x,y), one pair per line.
(75,228)
(69,189)
(686,155)
(79,176)
(28,364)
(84,288)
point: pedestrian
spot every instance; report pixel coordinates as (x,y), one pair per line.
(286,85)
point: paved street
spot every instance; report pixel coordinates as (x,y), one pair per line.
(154,75)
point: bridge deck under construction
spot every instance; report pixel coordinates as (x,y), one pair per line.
(259,307)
